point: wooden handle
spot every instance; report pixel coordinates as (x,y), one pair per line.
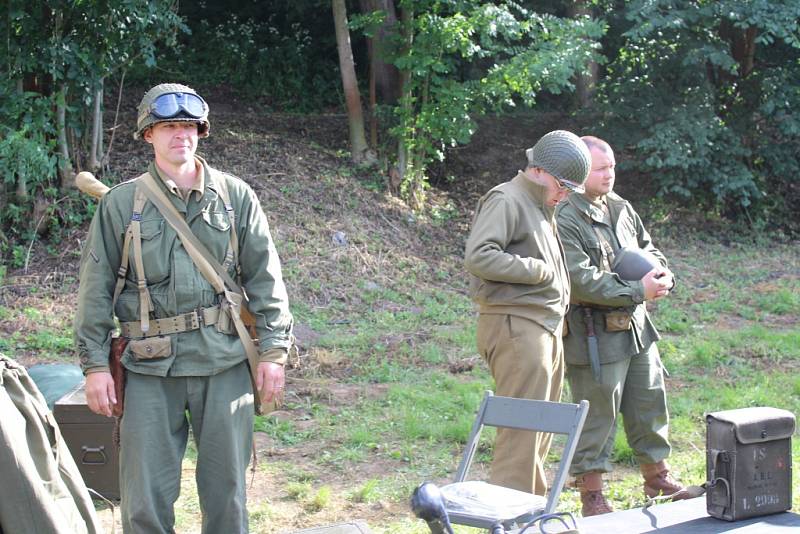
(90,185)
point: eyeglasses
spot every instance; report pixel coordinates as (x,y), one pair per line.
(566,185)
(170,105)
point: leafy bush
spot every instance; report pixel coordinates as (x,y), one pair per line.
(702,94)
(283,63)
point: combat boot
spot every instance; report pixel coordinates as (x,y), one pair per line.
(592,498)
(659,481)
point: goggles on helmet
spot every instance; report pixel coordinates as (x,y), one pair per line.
(171,105)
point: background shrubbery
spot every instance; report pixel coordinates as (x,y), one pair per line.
(700,97)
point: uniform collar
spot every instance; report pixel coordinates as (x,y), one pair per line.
(592,210)
(172,187)
(536,191)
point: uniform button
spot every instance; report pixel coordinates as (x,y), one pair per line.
(148,348)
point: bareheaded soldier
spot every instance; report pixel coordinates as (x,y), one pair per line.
(610,350)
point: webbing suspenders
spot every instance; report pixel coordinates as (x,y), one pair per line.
(606,250)
(232,254)
(134,233)
(232,295)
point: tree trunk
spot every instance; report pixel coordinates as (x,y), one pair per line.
(355,115)
(387,76)
(367,6)
(586,81)
(65,171)
(96,149)
(407,18)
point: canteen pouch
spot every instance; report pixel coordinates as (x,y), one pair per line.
(749,462)
(151,348)
(618,321)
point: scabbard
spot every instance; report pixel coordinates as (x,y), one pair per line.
(591,341)
(117,370)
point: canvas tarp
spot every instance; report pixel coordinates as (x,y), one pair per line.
(42,489)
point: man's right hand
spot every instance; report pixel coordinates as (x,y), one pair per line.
(100,394)
(656,284)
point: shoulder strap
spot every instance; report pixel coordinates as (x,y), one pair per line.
(605,247)
(133,233)
(232,254)
(211,269)
(205,261)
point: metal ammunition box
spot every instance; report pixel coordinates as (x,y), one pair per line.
(90,439)
(749,462)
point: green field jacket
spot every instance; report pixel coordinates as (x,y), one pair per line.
(516,263)
(594,286)
(176,286)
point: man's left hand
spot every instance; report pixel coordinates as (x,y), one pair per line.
(270,381)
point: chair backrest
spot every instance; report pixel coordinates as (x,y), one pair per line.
(525,414)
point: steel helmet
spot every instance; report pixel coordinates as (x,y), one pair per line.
(632,263)
(564,155)
(167,102)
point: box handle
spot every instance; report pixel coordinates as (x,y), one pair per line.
(89,451)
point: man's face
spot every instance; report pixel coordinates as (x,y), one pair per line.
(554,191)
(174,143)
(601,177)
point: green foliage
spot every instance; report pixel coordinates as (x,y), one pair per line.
(61,53)
(282,63)
(463,59)
(706,119)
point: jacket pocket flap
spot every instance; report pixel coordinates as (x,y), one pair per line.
(151,348)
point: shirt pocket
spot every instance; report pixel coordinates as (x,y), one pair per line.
(156,252)
(595,251)
(213,230)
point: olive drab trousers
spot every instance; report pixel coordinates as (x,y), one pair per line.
(527,362)
(154,433)
(633,387)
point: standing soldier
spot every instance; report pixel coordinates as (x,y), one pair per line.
(520,283)
(185,363)
(610,350)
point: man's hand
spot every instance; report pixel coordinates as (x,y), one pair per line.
(270,381)
(657,283)
(100,393)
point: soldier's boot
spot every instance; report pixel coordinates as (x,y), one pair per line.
(659,481)
(592,498)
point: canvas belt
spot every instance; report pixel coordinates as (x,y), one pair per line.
(184,322)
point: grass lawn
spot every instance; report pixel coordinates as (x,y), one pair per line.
(389,378)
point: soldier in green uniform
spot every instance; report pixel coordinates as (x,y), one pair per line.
(186,366)
(610,350)
(520,284)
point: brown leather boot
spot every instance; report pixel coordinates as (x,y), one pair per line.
(592,498)
(659,481)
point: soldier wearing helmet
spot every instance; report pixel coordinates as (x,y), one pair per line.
(185,364)
(610,350)
(520,284)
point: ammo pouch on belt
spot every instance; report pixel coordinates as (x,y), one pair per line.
(749,462)
(618,320)
(151,348)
